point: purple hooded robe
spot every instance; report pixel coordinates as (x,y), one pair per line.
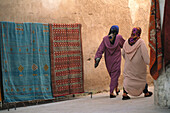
(112,54)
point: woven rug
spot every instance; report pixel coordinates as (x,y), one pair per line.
(0,83)
(25,61)
(66,59)
(155,41)
(166,33)
(0,98)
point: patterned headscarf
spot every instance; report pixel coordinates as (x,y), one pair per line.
(134,36)
(114,29)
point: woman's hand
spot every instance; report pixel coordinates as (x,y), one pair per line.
(97,60)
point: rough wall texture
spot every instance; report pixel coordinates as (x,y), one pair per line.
(162,89)
(96,17)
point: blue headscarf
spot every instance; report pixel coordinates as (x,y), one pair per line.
(114,29)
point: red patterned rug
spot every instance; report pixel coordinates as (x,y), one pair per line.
(166,33)
(66,59)
(155,41)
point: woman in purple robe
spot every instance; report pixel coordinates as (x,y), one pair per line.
(111,47)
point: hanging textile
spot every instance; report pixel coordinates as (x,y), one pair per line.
(66,59)
(25,61)
(0,81)
(166,33)
(155,43)
(0,98)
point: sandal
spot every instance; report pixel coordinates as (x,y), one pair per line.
(117,92)
(125,98)
(112,96)
(150,94)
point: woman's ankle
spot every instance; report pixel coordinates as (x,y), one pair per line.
(124,94)
(111,93)
(147,93)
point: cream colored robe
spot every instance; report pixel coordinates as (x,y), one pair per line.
(135,69)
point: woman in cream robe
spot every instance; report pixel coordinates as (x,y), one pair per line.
(135,68)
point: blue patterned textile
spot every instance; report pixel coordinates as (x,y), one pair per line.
(25,61)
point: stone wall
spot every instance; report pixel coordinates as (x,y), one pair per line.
(96,17)
(162,89)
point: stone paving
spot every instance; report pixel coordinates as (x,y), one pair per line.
(100,103)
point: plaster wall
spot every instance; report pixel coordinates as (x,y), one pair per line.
(162,88)
(96,17)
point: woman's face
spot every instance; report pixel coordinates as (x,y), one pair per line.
(112,36)
(134,31)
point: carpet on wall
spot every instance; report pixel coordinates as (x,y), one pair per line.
(66,59)
(166,33)
(25,61)
(0,82)
(155,41)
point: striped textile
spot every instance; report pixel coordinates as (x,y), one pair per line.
(155,43)
(25,61)
(0,82)
(166,33)
(0,98)
(66,59)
